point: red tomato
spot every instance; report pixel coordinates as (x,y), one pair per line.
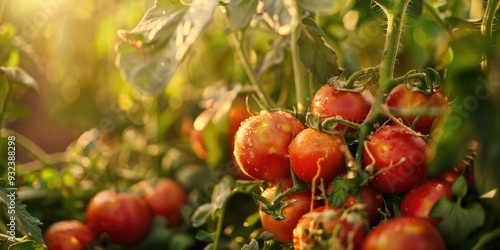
(68,235)
(409,233)
(330,102)
(165,197)
(372,199)
(238,114)
(283,229)
(398,156)
(196,137)
(125,218)
(261,144)
(451,175)
(420,200)
(315,154)
(316,229)
(402,98)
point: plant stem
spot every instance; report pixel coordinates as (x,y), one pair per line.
(487,32)
(4,104)
(218,230)
(435,14)
(485,239)
(301,89)
(31,147)
(257,85)
(396,13)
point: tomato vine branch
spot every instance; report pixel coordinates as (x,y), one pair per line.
(301,89)
(487,32)
(259,88)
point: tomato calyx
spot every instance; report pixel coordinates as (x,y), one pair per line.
(275,206)
(426,81)
(357,81)
(330,124)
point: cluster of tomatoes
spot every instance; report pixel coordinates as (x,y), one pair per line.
(120,218)
(303,164)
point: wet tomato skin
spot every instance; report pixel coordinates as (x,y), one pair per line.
(398,158)
(372,199)
(401,97)
(316,154)
(330,102)
(165,197)
(320,224)
(68,235)
(261,144)
(409,233)
(283,229)
(420,200)
(125,218)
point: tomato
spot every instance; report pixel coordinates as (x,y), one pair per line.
(261,144)
(409,233)
(315,154)
(283,229)
(420,200)
(68,235)
(165,198)
(196,136)
(372,199)
(330,102)
(401,97)
(125,218)
(451,175)
(398,156)
(316,229)
(237,115)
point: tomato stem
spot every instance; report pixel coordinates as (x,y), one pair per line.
(349,84)
(487,32)
(396,13)
(257,85)
(301,89)
(4,103)
(30,146)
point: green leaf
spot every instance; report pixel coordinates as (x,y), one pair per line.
(275,56)
(26,245)
(459,188)
(458,222)
(321,6)
(340,191)
(182,241)
(152,52)
(202,214)
(316,55)
(222,191)
(24,222)
(253,245)
(205,236)
(241,12)
(282,17)
(16,75)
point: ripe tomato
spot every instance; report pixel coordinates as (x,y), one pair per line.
(402,98)
(372,199)
(330,102)
(315,154)
(196,136)
(165,197)
(283,229)
(68,235)
(261,144)
(420,200)
(316,229)
(409,233)
(125,218)
(398,156)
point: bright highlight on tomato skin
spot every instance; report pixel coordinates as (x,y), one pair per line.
(315,155)
(330,102)
(402,98)
(409,233)
(420,200)
(398,157)
(261,145)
